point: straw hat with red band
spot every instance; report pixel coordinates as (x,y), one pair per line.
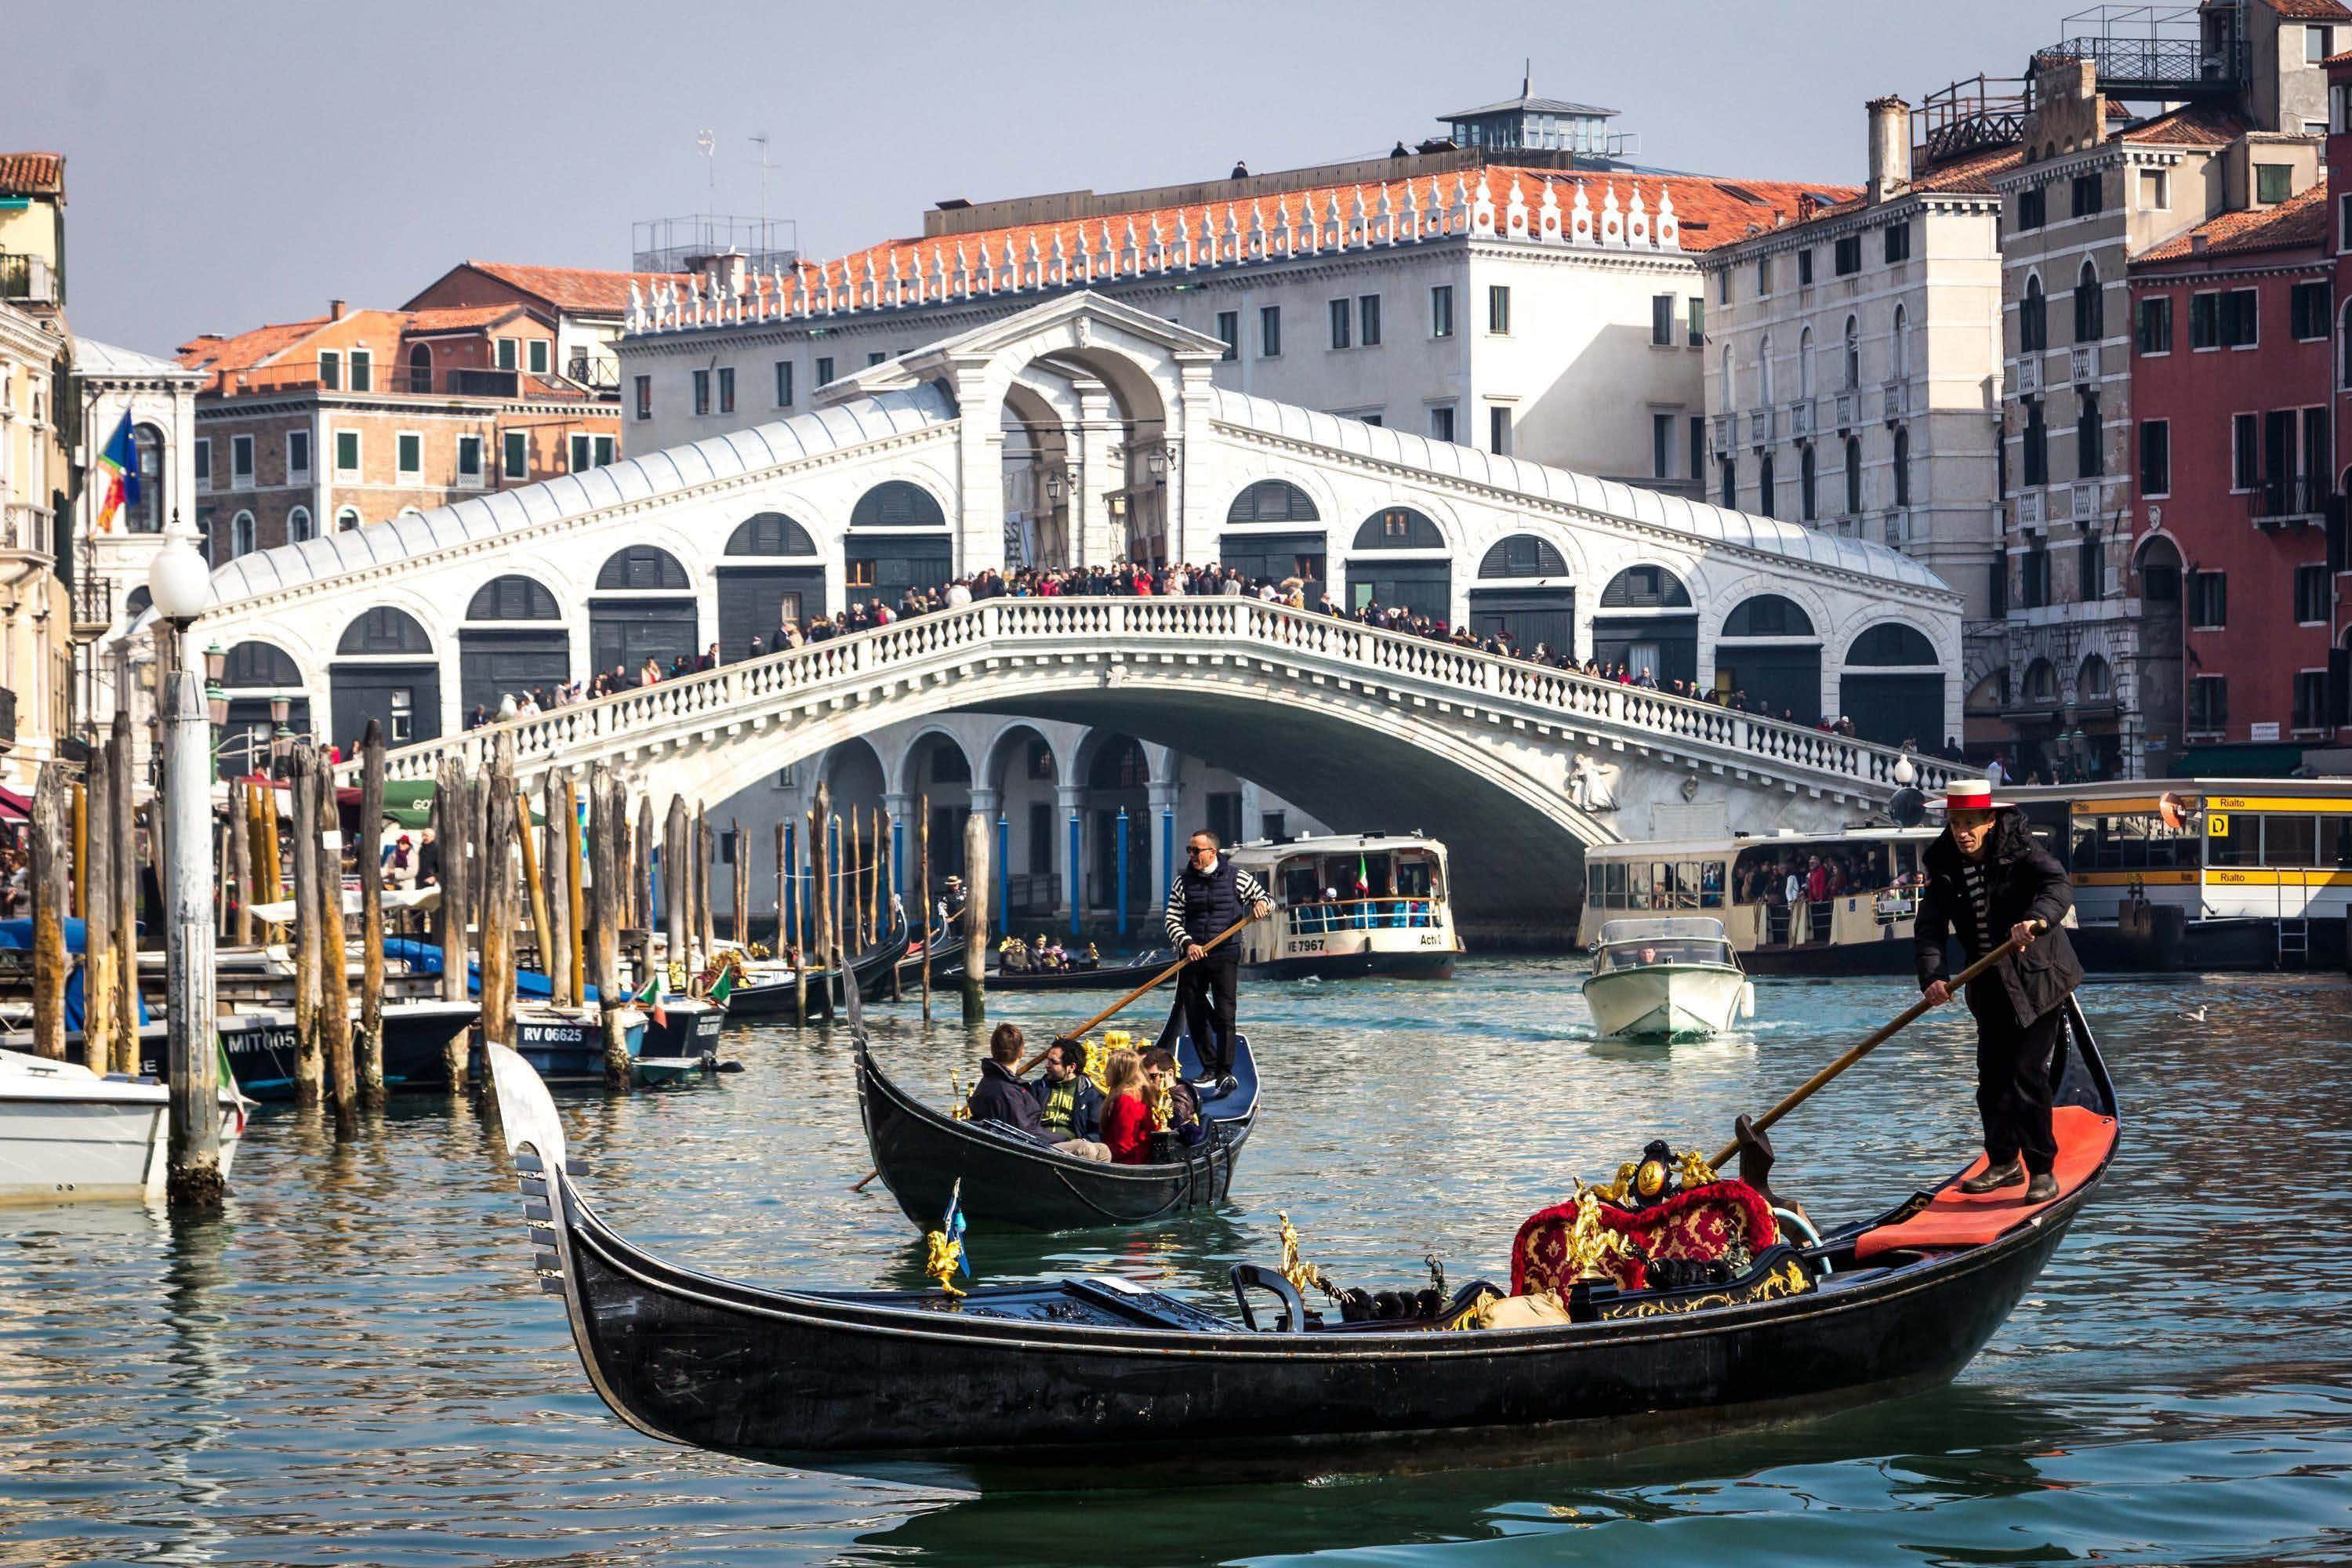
(1970,794)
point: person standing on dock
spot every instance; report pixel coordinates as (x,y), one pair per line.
(1989,882)
(1209,895)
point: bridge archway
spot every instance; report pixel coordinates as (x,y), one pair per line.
(769,575)
(1770,649)
(1022,773)
(1115,776)
(513,640)
(934,768)
(1893,685)
(1400,558)
(1647,622)
(1538,604)
(383,670)
(643,608)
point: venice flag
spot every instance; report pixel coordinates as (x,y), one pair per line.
(119,468)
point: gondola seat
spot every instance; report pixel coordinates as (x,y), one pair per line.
(1726,1220)
(1951,1218)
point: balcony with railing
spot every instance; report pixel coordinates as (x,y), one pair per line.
(28,280)
(2295,501)
(1760,425)
(24,528)
(1845,401)
(2030,511)
(1895,398)
(2025,380)
(1801,419)
(1725,428)
(2168,52)
(2083,363)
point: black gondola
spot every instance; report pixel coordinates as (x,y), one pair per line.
(1100,977)
(1009,1180)
(261,1046)
(774,994)
(1102,1366)
(872,968)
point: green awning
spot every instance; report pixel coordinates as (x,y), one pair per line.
(2244,760)
(409,802)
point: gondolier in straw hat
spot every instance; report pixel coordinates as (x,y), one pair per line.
(1209,895)
(1988,882)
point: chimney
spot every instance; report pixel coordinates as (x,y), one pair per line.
(2200,243)
(334,310)
(1890,147)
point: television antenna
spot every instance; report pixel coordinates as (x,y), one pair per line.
(707,143)
(761,139)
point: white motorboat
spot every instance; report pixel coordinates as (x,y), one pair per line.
(1667,978)
(67,1133)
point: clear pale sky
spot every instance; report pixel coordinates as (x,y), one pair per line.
(229,164)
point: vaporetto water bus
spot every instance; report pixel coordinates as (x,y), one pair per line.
(2202,874)
(1854,919)
(1347,906)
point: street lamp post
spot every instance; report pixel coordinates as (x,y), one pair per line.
(179,582)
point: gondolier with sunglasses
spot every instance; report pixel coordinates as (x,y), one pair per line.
(1988,882)
(1210,894)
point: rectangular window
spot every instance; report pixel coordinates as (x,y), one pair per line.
(509,352)
(2208,703)
(2154,457)
(1849,256)
(1661,320)
(726,389)
(2307,307)
(1498,430)
(2154,335)
(1441,310)
(2245,452)
(2273,182)
(538,361)
(469,460)
(330,370)
(1367,321)
(347,451)
(2089,193)
(2034,578)
(644,398)
(2204,320)
(1723,287)
(1499,310)
(1697,333)
(2311,604)
(1269,332)
(1697,455)
(298,455)
(241,461)
(2344,223)
(408,454)
(605,450)
(2036,443)
(2318,43)
(1661,445)
(823,370)
(1229,332)
(1898,243)
(1441,423)
(2310,713)
(579,453)
(1763,276)
(2241,319)
(2090,570)
(2033,208)
(701,393)
(2155,190)
(873,358)
(403,714)
(363,371)
(204,462)
(2209,601)
(783,384)
(1805,268)
(1340,319)
(517,444)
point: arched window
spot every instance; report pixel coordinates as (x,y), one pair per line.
(1899,351)
(640,567)
(384,630)
(1854,476)
(1399,528)
(2344,348)
(1523,555)
(1767,615)
(1805,364)
(1730,490)
(1731,378)
(1272,500)
(1903,465)
(513,598)
(1853,353)
(299,526)
(2041,682)
(895,503)
(770,533)
(2094,682)
(2033,318)
(347,519)
(1765,499)
(1645,588)
(1808,483)
(146,514)
(2090,305)
(1764,373)
(2090,451)
(1891,643)
(241,534)
(420,368)
(258,664)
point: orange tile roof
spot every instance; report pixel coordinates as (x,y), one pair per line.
(257,360)
(2302,220)
(240,352)
(32,174)
(2311,10)
(576,289)
(459,318)
(1970,173)
(2197,125)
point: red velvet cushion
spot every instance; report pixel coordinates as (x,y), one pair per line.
(1705,1223)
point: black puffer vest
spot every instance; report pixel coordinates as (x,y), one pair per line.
(1213,903)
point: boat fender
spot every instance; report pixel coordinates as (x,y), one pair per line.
(1747,998)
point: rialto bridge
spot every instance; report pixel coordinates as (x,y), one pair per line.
(1084,431)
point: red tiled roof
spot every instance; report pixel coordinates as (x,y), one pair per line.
(256,359)
(242,351)
(575,289)
(32,174)
(2310,10)
(459,318)
(1970,171)
(2300,221)
(2197,125)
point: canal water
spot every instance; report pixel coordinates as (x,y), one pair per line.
(354,1365)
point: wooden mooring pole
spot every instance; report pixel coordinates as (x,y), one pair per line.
(923,891)
(308,1069)
(52,826)
(371,869)
(975,916)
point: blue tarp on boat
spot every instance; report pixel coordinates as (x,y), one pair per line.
(424,958)
(16,936)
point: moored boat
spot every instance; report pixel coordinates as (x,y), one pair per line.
(260,1043)
(1349,907)
(1892,1303)
(67,1133)
(564,1045)
(1671,978)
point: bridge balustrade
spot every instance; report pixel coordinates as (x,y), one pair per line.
(736,691)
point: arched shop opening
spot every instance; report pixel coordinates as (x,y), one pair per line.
(758,591)
(643,608)
(897,540)
(1767,650)
(385,670)
(1524,593)
(1265,537)
(1399,558)
(1646,622)
(1893,687)
(258,676)
(513,641)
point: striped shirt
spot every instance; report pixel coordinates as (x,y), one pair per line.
(1246,888)
(1979,904)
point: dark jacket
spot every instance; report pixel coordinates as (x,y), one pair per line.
(1086,1106)
(2023,883)
(1000,1097)
(1200,906)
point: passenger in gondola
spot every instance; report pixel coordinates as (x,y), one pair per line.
(1175,1106)
(998,1096)
(1988,882)
(1126,1119)
(1068,1103)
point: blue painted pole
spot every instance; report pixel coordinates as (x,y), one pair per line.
(899,856)
(1075,836)
(1121,886)
(792,884)
(1003,877)
(1168,839)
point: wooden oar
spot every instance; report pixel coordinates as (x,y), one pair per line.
(1079,1032)
(1806,1090)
